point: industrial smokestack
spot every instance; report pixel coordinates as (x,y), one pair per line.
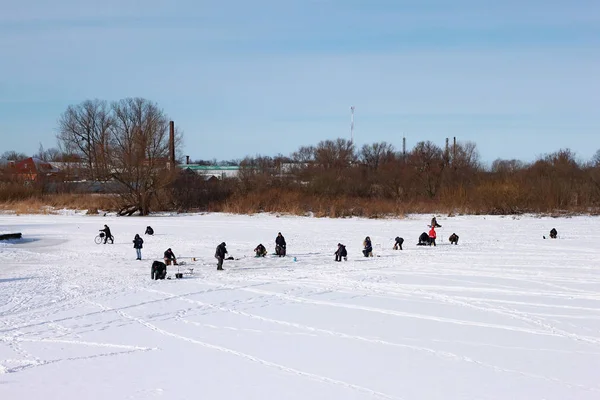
(454,150)
(172,142)
(187,160)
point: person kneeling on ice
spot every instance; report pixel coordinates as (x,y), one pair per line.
(341,253)
(280,245)
(432,236)
(453,238)
(398,243)
(220,255)
(149,231)
(159,270)
(170,257)
(424,239)
(553,233)
(260,251)
(368,248)
(137,245)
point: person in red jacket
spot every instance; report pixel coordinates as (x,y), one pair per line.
(432,236)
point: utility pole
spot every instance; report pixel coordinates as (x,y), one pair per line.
(352,124)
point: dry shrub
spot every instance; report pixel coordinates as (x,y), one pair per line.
(498,198)
(297,202)
(46,204)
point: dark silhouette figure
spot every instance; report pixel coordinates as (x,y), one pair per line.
(341,253)
(137,245)
(158,271)
(107,234)
(453,238)
(220,255)
(424,240)
(260,251)
(170,257)
(368,247)
(398,243)
(280,245)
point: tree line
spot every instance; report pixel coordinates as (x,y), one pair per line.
(127,142)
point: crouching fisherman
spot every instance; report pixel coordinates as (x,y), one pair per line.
(453,238)
(398,243)
(341,253)
(260,251)
(170,257)
(280,245)
(368,247)
(159,270)
(424,239)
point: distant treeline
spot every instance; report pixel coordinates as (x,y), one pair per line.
(336,179)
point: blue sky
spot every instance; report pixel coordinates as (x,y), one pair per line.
(519,78)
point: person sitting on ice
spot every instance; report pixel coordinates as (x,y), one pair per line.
(280,245)
(453,238)
(170,257)
(107,234)
(434,223)
(149,231)
(398,243)
(424,239)
(553,233)
(368,247)
(432,236)
(158,271)
(260,251)
(341,253)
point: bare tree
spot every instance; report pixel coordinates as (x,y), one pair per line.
(428,162)
(375,154)
(139,153)
(83,131)
(507,167)
(12,155)
(596,159)
(51,154)
(338,154)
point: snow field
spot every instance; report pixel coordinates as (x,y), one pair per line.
(505,314)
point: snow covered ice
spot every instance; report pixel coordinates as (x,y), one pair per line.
(503,315)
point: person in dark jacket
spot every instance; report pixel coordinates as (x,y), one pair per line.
(424,239)
(220,255)
(341,253)
(260,251)
(107,234)
(434,223)
(170,257)
(398,243)
(553,233)
(280,245)
(453,238)
(158,271)
(368,247)
(137,245)
(149,231)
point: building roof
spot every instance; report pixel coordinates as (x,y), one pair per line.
(195,167)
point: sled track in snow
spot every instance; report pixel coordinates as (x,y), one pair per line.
(251,358)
